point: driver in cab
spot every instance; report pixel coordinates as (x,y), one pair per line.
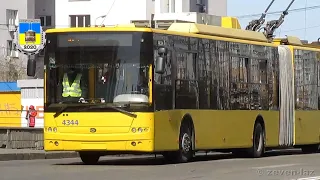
(74,86)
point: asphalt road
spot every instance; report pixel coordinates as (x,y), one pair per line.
(276,166)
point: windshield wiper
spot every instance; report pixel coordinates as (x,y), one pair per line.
(61,110)
(65,107)
(111,107)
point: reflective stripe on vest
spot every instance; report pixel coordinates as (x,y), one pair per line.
(74,90)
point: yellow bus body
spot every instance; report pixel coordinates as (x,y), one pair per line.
(214,129)
(113,132)
(307,124)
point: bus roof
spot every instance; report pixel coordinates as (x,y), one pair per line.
(192,28)
(297,43)
(218,31)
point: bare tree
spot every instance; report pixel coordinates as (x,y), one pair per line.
(12,68)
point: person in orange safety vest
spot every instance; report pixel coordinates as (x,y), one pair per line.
(31,116)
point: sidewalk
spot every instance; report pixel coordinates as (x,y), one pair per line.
(29,154)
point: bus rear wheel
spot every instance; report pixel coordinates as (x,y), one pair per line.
(258,144)
(89,158)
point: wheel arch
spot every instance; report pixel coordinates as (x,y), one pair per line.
(259,119)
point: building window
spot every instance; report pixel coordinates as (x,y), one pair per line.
(46,21)
(201,6)
(11,17)
(9,47)
(80,20)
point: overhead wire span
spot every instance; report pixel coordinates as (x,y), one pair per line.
(279,12)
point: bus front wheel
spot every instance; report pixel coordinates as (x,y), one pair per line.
(185,152)
(89,158)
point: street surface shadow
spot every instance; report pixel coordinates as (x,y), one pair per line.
(159,160)
(150,161)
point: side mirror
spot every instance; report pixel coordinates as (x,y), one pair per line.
(160,63)
(31,67)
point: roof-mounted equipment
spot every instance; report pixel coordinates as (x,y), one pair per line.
(272,25)
(256,24)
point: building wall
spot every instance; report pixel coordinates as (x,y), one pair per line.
(213,7)
(45,11)
(10,109)
(21,6)
(217,7)
(118,11)
(10,105)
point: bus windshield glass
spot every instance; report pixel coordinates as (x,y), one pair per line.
(97,67)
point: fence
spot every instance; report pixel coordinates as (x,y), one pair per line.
(21,138)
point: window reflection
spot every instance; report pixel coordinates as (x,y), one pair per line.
(306,85)
(211,74)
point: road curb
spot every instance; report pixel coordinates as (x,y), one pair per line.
(36,155)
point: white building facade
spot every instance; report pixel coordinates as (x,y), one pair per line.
(83,13)
(213,7)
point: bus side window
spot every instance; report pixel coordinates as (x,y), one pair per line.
(162,85)
(187,88)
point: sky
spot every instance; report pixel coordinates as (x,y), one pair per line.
(304,23)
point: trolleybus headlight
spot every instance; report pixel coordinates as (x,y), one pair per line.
(140,129)
(49,129)
(54,129)
(133,130)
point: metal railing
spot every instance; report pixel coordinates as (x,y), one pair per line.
(21,138)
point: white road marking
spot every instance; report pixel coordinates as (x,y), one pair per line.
(274,166)
(309,178)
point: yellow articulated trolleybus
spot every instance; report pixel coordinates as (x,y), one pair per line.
(192,87)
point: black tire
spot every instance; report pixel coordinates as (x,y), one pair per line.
(313,148)
(185,153)
(89,158)
(258,144)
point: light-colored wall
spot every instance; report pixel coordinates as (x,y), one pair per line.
(45,8)
(213,7)
(119,11)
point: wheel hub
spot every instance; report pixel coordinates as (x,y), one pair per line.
(259,141)
(186,142)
